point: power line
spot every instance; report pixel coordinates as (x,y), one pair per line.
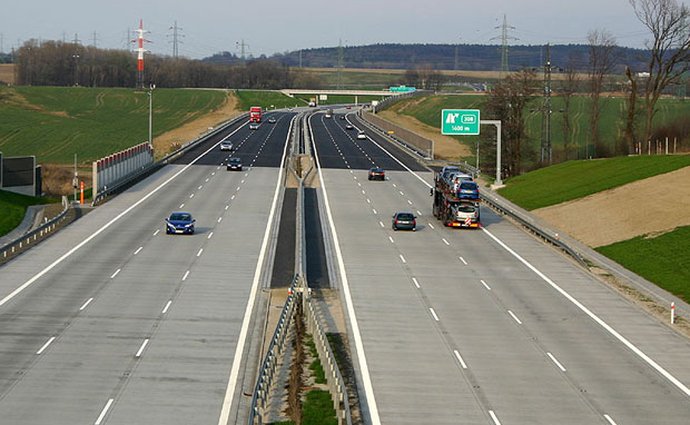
(546,150)
(505,37)
(175,35)
(95,39)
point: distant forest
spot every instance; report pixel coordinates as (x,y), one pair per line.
(471,57)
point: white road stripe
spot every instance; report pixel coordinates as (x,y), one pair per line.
(208,179)
(226,207)
(181,205)
(485,285)
(431,225)
(463,260)
(85,304)
(167,306)
(138,250)
(198,254)
(594,317)
(459,357)
(391,239)
(364,192)
(374,211)
(560,366)
(141,349)
(186,274)
(608,418)
(232,197)
(416,283)
(401,193)
(368,201)
(433,313)
(352,317)
(381,224)
(402,258)
(445,241)
(419,213)
(199,188)
(104,412)
(210,235)
(515,317)
(409,202)
(112,276)
(494,417)
(242,339)
(238,188)
(42,349)
(156,232)
(191,196)
(220,219)
(395,185)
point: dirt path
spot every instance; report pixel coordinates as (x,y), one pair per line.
(646,207)
(167,142)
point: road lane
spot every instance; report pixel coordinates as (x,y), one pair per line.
(515,370)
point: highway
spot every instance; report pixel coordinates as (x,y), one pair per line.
(113,321)
(485,326)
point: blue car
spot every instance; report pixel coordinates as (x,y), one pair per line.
(180,222)
(468,190)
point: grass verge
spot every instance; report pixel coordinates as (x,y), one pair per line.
(315,366)
(317,409)
(662,259)
(13,207)
(576,179)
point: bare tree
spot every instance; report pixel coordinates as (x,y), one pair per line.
(669,49)
(630,114)
(568,88)
(508,102)
(602,46)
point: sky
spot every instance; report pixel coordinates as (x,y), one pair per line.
(277,26)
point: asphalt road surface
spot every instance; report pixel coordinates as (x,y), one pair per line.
(482,326)
(111,321)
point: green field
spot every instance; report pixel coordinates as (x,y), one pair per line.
(54,123)
(267,99)
(13,207)
(428,111)
(663,260)
(576,179)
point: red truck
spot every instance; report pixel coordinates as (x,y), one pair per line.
(255,114)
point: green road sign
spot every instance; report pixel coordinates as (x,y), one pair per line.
(460,122)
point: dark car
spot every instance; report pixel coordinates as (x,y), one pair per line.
(272,120)
(404,221)
(468,190)
(180,222)
(234,164)
(377,173)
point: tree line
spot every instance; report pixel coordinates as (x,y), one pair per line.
(57,63)
(667,60)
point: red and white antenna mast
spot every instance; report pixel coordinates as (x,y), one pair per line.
(140,53)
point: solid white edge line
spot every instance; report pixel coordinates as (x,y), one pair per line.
(611,421)
(460,359)
(354,325)
(104,227)
(104,411)
(494,417)
(112,276)
(167,306)
(515,317)
(42,349)
(83,306)
(433,313)
(416,283)
(488,288)
(594,317)
(142,348)
(242,339)
(555,360)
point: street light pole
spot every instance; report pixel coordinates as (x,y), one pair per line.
(151,88)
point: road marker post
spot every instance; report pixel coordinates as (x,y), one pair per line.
(673,313)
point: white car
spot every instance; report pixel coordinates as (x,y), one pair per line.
(361,135)
(226,145)
(254,126)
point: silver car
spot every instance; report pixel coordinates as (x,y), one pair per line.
(226,145)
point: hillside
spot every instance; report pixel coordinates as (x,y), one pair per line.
(646,207)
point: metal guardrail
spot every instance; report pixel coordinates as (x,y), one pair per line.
(141,174)
(299,295)
(409,139)
(262,390)
(18,245)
